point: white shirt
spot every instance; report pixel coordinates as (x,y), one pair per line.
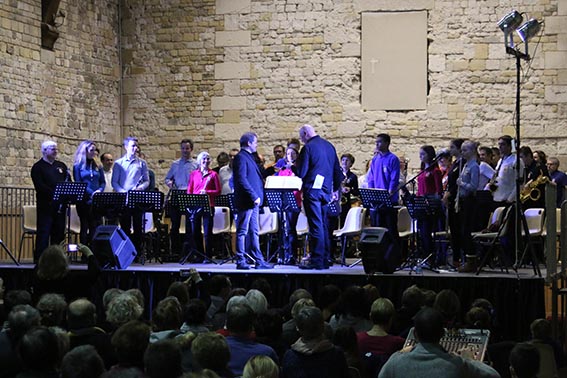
(506,180)
(108,179)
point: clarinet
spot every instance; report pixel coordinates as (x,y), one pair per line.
(457,204)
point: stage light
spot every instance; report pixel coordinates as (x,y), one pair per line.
(510,22)
(529,30)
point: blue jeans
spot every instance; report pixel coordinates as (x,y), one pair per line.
(247,225)
(316,209)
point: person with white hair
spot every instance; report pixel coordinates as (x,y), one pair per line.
(202,180)
(45,174)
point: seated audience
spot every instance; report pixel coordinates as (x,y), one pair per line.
(195,317)
(261,367)
(82,362)
(211,352)
(328,300)
(428,358)
(412,301)
(39,351)
(123,309)
(524,361)
(448,304)
(257,301)
(345,338)
(313,355)
(352,310)
(239,323)
(167,319)
(377,340)
(52,308)
(130,342)
(162,359)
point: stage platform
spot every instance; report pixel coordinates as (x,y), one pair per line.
(518,298)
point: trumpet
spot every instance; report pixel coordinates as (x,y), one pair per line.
(531,190)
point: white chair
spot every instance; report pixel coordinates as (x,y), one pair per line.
(29,226)
(351,228)
(405,223)
(493,223)
(302,229)
(221,226)
(269,227)
(74,227)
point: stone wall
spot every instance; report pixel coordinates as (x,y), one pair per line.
(69,94)
(212,69)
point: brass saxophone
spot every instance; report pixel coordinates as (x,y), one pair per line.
(531,191)
(344,196)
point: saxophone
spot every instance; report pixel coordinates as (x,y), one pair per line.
(531,190)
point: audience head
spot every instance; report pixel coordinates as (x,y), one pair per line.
(257,301)
(301,304)
(524,361)
(239,319)
(382,312)
(210,351)
(261,367)
(39,350)
(53,263)
(310,324)
(167,315)
(81,314)
(137,295)
(541,329)
(345,338)
(195,312)
(52,309)
(180,291)
(130,342)
(478,317)
(236,301)
(429,297)
(329,297)
(109,295)
(353,302)
(447,302)
(268,325)
(16,297)
(298,294)
(372,293)
(162,359)
(413,298)
(220,286)
(428,324)
(123,309)
(264,286)
(21,319)
(82,362)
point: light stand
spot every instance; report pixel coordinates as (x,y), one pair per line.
(508,24)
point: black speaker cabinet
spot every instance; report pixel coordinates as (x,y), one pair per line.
(113,248)
(379,251)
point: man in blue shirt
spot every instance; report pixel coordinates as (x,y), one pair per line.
(131,173)
(557,177)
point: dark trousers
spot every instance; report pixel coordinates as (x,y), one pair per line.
(316,209)
(194,235)
(132,219)
(386,217)
(89,222)
(50,227)
(176,240)
(290,242)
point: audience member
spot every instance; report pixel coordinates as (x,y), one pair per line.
(211,352)
(268,329)
(123,309)
(377,340)
(82,362)
(239,323)
(345,338)
(412,301)
(428,358)
(261,367)
(328,300)
(39,351)
(524,361)
(195,317)
(257,301)
(352,310)
(167,319)
(162,359)
(130,342)
(52,308)
(541,332)
(313,355)
(448,304)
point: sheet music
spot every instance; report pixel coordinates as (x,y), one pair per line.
(283,182)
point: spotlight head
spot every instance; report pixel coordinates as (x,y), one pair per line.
(529,30)
(510,22)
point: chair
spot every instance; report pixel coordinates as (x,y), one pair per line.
(302,229)
(535,219)
(351,228)
(494,221)
(492,240)
(75,223)
(269,227)
(29,226)
(221,226)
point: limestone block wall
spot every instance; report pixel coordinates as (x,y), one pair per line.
(211,69)
(69,94)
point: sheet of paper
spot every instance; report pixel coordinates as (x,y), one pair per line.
(318,183)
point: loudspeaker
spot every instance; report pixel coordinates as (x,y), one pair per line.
(113,248)
(380,253)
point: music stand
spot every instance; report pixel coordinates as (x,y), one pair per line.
(227,200)
(281,200)
(109,204)
(193,204)
(375,199)
(7,250)
(145,201)
(67,193)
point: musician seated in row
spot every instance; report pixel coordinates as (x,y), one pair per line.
(202,181)
(535,179)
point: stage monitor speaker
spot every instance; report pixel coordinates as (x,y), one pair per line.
(379,251)
(113,248)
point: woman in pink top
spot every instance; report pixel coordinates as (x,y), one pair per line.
(202,181)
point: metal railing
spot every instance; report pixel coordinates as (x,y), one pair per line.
(11,201)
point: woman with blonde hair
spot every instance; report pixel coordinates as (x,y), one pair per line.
(261,367)
(87,170)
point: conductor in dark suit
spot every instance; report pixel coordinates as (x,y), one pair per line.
(248,197)
(319,168)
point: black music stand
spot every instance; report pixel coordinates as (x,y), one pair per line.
(109,204)
(144,202)
(375,199)
(65,194)
(193,204)
(7,250)
(281,201)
